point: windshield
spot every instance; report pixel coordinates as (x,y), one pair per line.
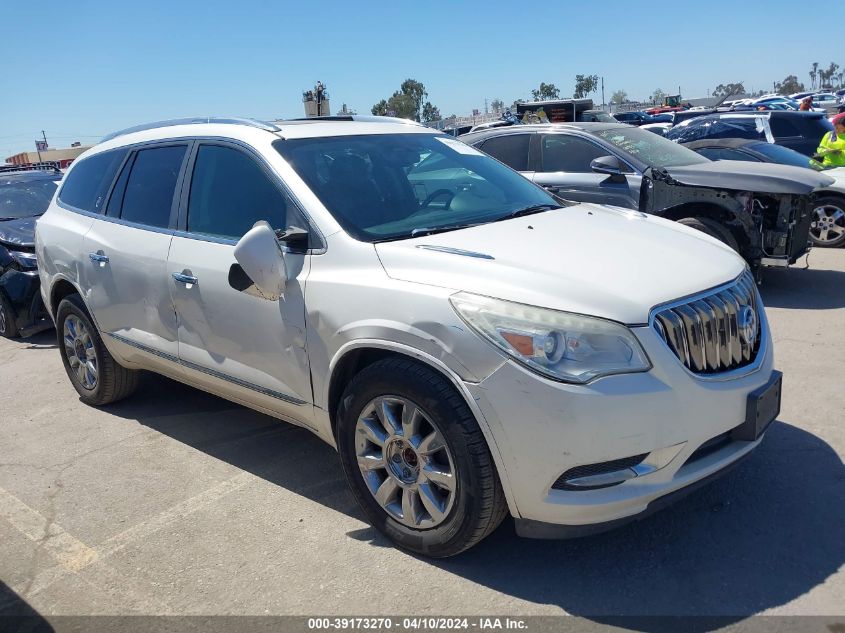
(785,156)
(651,149)
(25,198)
(392,186)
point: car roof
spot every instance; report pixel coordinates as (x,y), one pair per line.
(251,130)
(589,127)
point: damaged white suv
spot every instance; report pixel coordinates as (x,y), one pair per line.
(471,345)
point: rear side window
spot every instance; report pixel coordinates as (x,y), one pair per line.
(511,149)
(148,198)
(87,184)
(230,193)
(726,153)
(783,128)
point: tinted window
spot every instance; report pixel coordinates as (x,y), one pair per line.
(151,185)
(782,127)
(784,155)
(569,153)
(393,186)
(230,193)
(725,153)
(511,149)
(88,181)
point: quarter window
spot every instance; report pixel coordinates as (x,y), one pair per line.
(152,182)
(87,184)
(569,154)
(511,149)
(230,193)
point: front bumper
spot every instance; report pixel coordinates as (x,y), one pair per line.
(22,288)
(543,428)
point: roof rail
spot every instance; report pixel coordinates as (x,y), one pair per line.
(353,117)
(269,127)
(42,166)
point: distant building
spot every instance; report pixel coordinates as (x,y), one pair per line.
(63,157)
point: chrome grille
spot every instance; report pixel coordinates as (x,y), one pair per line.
(714,332)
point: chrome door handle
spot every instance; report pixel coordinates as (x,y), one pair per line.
(185,279)
(98,258)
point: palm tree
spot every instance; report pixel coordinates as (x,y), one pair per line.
(814,74)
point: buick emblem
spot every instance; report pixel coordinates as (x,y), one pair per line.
(747,323)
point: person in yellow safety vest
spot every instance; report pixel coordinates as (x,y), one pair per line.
(831,150)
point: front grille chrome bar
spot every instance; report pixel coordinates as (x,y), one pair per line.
(714,332)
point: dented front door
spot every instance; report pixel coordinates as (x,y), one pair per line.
(251,347)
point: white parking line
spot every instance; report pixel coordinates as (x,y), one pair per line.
(71,553)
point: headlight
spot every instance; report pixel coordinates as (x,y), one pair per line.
(26,261)
(561,345)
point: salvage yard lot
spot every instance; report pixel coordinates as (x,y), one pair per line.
(177,502)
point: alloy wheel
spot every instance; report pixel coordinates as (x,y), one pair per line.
(80,353)
(3,324)
(828,223)
(405,462)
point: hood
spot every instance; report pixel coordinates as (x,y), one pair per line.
(19,232)
(838,175)
(747,176)
(590,259)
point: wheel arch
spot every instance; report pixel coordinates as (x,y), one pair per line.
(356,355)
(60,289)
(730,218)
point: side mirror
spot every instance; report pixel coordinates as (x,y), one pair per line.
(609,165)
(260,256)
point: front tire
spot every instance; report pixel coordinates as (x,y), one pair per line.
(416,460)
(8,327)
(827,228)
(94,373)
(713,229)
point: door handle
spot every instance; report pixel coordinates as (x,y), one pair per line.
(98,258)
(189,280)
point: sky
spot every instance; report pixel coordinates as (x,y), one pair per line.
(79,69)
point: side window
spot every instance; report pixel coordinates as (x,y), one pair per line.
(230,193)
(569,153)
(511,149)
(152,182)
(87,184)
(782,128)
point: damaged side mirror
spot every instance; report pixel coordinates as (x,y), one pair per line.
(609,165)
(262,263)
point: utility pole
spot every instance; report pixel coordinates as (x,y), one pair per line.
(602,93)
(486,111)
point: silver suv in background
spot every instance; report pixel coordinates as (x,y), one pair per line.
(471,347)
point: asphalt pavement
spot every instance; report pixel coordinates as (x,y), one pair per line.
(177,502)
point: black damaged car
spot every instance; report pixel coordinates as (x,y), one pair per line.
(762,211)
(25,193)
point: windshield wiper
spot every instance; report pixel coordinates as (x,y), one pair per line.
(431,230)
(535,208)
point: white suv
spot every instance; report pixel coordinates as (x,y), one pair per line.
(471,345)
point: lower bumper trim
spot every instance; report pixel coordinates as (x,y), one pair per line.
(529,528)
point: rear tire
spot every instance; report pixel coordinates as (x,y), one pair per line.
(468,499)
(713,229)
(8,327)
(94,373)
